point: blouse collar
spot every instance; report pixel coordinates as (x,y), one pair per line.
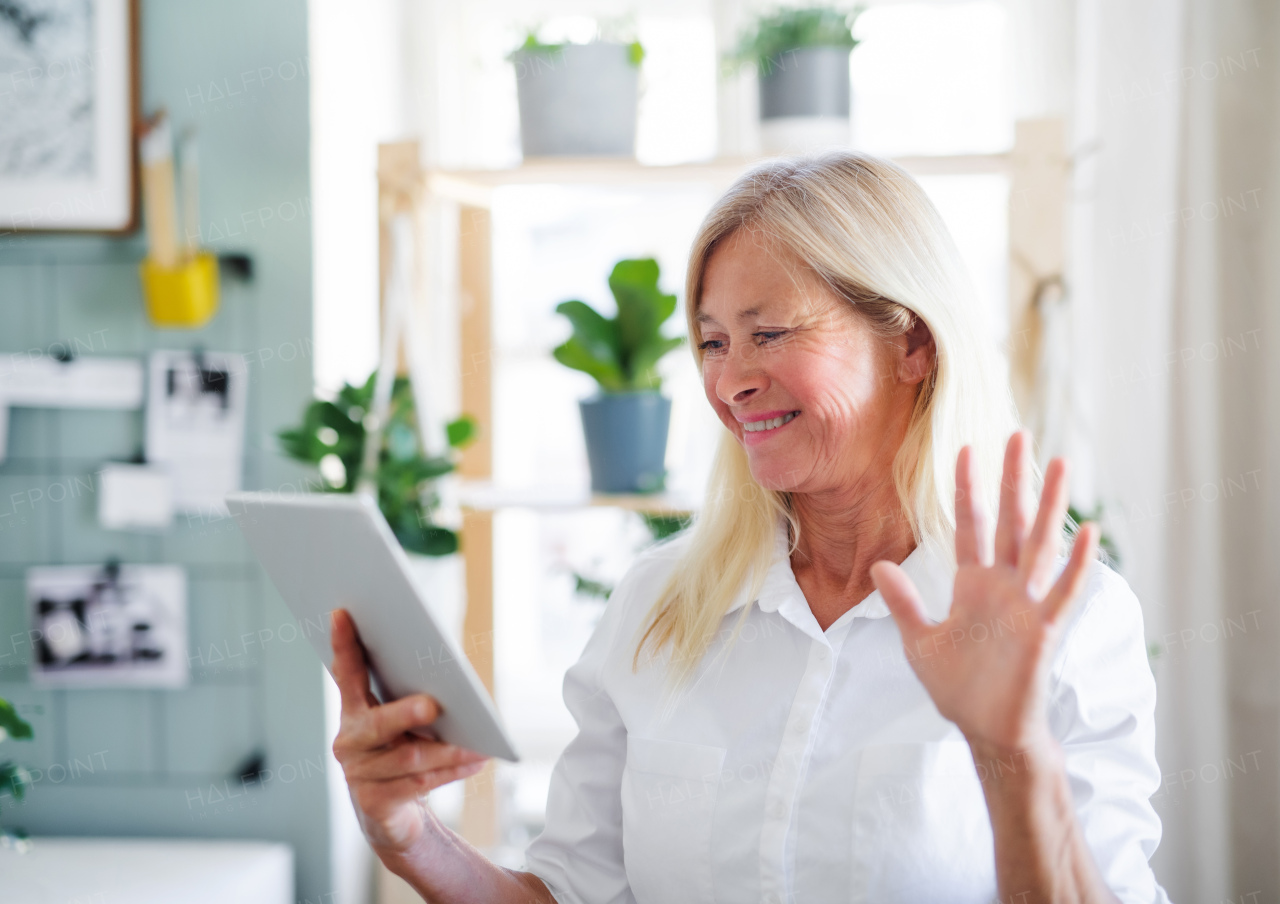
(927,566)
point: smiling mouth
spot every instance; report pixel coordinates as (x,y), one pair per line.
(771,424)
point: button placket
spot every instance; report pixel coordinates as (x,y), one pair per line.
(789,770)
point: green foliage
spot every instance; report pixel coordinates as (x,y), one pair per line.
(1106,542)
(589,587)
(406,495)
(786,30)
(663,526)
(12,725)
(622,353)
(531,44)
(14,779)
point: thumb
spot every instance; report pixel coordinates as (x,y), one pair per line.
(902,598)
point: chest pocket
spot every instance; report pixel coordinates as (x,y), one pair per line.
(921,831)
(668,800)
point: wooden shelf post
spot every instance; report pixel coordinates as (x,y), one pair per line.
(480,804)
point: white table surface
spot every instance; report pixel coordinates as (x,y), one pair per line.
(147,871)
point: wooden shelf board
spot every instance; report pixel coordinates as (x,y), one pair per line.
(474,187)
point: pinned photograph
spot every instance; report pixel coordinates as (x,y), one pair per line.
(108,625)
(196,404)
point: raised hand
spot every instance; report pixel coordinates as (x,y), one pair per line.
(986,666)
(388,771)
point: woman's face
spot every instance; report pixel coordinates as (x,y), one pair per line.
(816,399)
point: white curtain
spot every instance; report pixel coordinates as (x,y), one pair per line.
(1173,281)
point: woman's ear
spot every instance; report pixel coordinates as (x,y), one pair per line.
(918,351)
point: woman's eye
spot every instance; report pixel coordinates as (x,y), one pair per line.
(711,345)
(768,336)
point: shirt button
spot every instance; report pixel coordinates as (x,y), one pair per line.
(771,899)
(776,811)
(797,728)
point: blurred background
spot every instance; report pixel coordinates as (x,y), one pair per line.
(219,221)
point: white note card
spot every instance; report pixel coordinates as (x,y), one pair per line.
(135,497)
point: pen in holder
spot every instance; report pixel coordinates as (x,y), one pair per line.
(179,281)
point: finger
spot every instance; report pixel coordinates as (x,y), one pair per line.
(902,598)
(1068,585)
(1035,563)
(415,786)
(350,668)
(410,758)
(971,516)
(1011,526)
(386,723)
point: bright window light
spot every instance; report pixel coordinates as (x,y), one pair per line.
(932,78)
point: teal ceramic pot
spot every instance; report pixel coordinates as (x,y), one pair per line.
(626,437)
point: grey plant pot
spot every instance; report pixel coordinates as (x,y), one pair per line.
(626,441)
(809,81)
(578,101)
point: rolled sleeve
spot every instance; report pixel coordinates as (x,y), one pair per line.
(1102,711)
(579,853)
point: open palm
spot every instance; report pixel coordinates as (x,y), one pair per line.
(986,666)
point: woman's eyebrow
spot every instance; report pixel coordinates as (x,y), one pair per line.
(702,317)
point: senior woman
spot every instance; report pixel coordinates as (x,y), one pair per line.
(752,727)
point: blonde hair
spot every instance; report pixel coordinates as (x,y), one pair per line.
(868,230)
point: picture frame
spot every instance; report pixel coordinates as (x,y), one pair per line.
(68,108)
(108,626)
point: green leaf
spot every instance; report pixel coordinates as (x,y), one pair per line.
(621,353)
(296,444)
(642,309)
(663,526)
(597,335)
(431,540)
(644,361)
(589,587)
(608,375)
(12,724)
(14,780)
(462,431)
(635,53)
(420,468)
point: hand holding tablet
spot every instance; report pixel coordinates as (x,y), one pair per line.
(326,552)
(388,769)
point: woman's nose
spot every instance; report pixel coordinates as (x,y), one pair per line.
(740,377)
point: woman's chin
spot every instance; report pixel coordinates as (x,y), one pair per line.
(777,476)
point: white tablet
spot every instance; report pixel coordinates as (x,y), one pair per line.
(336,551)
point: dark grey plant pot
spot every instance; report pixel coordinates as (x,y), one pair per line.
(626,441)
(809,81)
(578,101)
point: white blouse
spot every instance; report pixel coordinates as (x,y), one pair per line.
(811,766)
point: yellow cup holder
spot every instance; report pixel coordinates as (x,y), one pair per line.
(182,296)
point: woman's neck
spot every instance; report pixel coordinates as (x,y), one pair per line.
(842,534)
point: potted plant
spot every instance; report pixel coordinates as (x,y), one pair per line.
(802,59)
(626,422)
(331,437)
(14,779)
(577,99)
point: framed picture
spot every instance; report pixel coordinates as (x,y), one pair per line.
(108,626)
(68,88)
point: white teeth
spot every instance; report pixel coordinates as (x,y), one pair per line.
(772,423)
